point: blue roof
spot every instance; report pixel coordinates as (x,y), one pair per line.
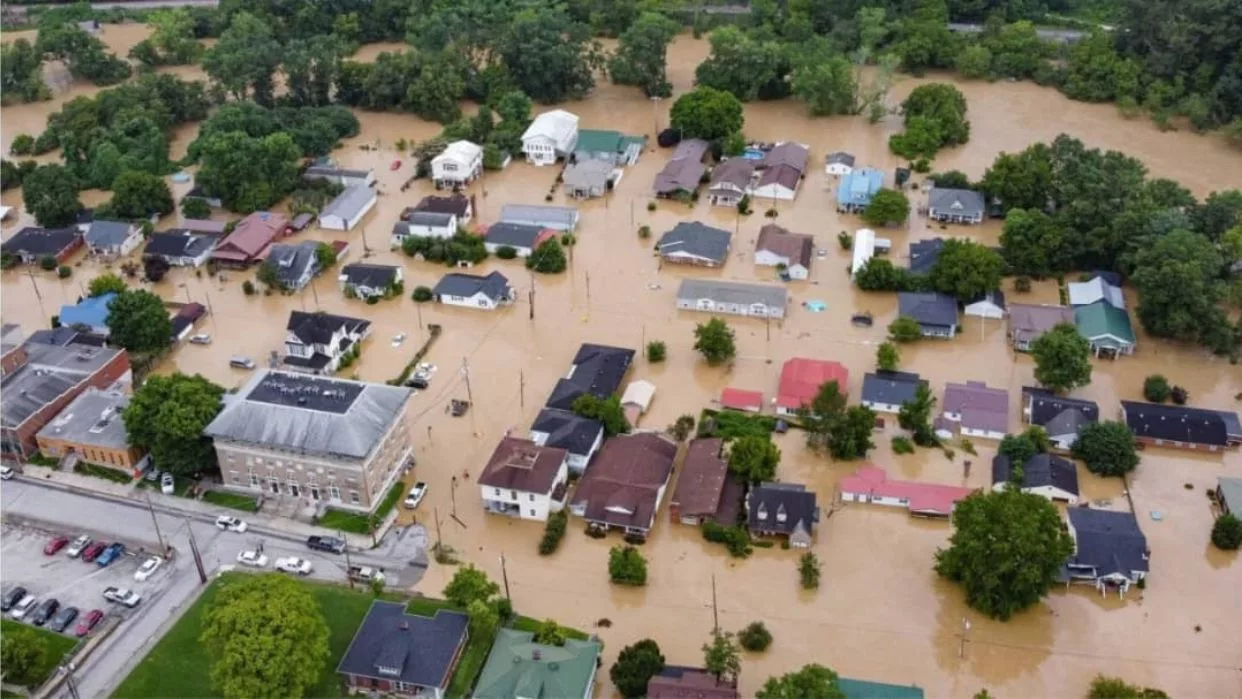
(92,312)
(859,186)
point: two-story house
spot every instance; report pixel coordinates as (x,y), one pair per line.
(623,489)
(525,480)
(579,436)
(551,136)
(315,343)
(457,165)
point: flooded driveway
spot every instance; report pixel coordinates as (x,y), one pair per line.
(880,613)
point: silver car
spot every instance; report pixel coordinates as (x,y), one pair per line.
(78,545)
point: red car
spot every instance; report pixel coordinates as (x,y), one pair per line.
(92,552)
(88,622)
(57,543)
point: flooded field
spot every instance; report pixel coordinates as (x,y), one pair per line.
(880,613)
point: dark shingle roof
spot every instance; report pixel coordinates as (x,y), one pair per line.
(39,242)
(1109,541)
(702,478)
(697,239)
(624,484)
(179,243)
(374,276)
(891,387)
(107,233)
(924,254)
(456,204)
(797,502)
(1039,471)
(1175,423)
(928,308)
(597,369)
(566,430)
(963,202)
(318,328)
(421,648)
(518,235)
(495,285)
(1058,414)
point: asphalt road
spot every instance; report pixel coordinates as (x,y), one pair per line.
(75,514)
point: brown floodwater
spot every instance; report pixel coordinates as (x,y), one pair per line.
(880,613)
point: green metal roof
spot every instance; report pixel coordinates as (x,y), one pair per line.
(518,667)
(595,141)
(861,689)
(1097,320)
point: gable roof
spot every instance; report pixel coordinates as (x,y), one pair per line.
(796,247)
(859,186)
(456,204)
(567,430)
(519,667)
(520,464)
(1039,471)
(962,202)
(862,689)
(494,286)
(1028,321)
(801,379)
(678,682)
(741,293)
(891,387)
(373,276)
(252,234)
(928,308)
(588,173)
(421,649)
(600,141)
(1231,493)
(734,171)
(996,297)
(623,486)
(179,243)
(1111,542)
(924,254)
(430,219)
(784,165)
(39,242)
(639,393)
(108,234)
(772,499)
(741,399)
(350,202)
(1097,289)
(202,225)
(684,170)
(1178,423)
(596,369)
(559,217)
(697,239)
(839,158)
(292,261)
(462,151)
(702,478)
(516,235)
(91,311)
(1099,320)
(1058,415)
(319,328)
(980,407)
(557,125)
(921,498)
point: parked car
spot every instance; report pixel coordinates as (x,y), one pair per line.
(231,524)
(63,619)
(241,363)
(57,543)
(148,568)
(23,607)
(78,546)
(12,597)
(90,553)
(365,574)
(252,558)
(110,554)
(293,564)
(329,544)
(6,473)
(88,622)
(122,595)
(416,495)
(200,339)
(45,611)
(168,484)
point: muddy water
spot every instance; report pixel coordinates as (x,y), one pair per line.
(880,612)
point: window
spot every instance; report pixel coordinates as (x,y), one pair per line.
(334,492)
(532,497)
(235,477)
(254,480)
(497,490)
(532,513)
(353,496)
(513,494)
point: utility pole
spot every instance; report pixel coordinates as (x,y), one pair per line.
(418,307)
(532,294)
(38,294)
(465,370)
(428,434)
(154,520)
(504,575)
(70,682)
(315,293)
(435,511)
(631,214)
(522,388)
(961,649)
(588,283)
(453,495)
(348,563)
(194,552)
(715,609)
(366,250)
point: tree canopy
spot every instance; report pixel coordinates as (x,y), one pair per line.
(707,113)
(754,458)
(1108,448)
(845,432)
(935,117)
(721,657)
(626,566)
(636,664)
(607,410)
(469,584)
(887,207)
(249,174)
(138,195)
(166,417)
(809,682)
(138,321)
(1062,358)
(714,340)
(640,56)
(966,270)
(50,193)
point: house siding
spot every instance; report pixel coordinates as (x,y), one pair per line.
(479,300)
(340,223)
(752,310)
(882,407)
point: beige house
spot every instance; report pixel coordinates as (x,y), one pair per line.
(314,440)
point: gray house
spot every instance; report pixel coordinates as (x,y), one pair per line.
(936,313)
(294,264)
(684,170)
(955,206)
(558,218)
(112,238)
(694,243)
(733,298)
(1110,550)
(589,178)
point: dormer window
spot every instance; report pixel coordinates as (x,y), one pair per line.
(386,670)
(781,515)
(763,512)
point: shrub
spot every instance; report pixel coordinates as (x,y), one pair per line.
(1022,285)
(1156,388)
(921,165)
(755,637)
(48,262)
(626,566)
(771,213)
(902,445)
(735,538)
(553,532)
(1179,395)
(682,428)
(422,294)
(64,272)
(1227,532)
(656,351)
(808,571)
(846,240)
(549,633)
(644,232)
(248,288)
(651,206)
(743,205)
(506,252)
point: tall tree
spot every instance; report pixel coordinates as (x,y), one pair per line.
(809,682)
(1107,448)
(915,415)
(21,73)
(266,637)
(166,417)
(550,57)
(469,584)
(888,207)
(754,458)
(721,657)
(1034,244)
(247,173)
(22,653)
(1006,551)
(1023,180)
(50,193)
(706,113)
(714,340)
(641,55)
(636,664)
(245,59)
(137,195)
(966,270)
(1062,358)
(1177,277)
(828,86)
(138,321)
(745,67)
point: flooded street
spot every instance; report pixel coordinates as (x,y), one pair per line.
(881,613)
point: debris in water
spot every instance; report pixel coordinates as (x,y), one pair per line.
(815,306)
(604,623)
(1157,515)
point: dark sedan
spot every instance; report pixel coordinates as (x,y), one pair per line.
(44,612)
(88,622)
(63,619)
(12,597)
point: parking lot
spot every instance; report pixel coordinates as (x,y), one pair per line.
(72,581)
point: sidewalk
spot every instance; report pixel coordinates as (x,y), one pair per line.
(280,527)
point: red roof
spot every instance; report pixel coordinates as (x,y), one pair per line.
(251,237)
(801,379)
(740,399)
(922,498)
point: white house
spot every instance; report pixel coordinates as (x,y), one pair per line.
(781,172)
(112,238)
(1051,477)
(345,178)
(980,411)
(838,163)
(887,391)
(316,342)
(458,164)
(347,209)
(525,480)
(473,291)
(732,298)
(863,249)
(366,280)
(423,224)
(777,247)
(990,305)
(579,436)
(180,248)
(552,135)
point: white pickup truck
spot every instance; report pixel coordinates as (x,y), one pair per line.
(120,595)
(293,564)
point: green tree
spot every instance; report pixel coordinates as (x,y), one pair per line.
(422,294)
(1017,50)
(706,113)
(641,55)
(1179,294)
(548,56)
(265,636)
(1108,448)
(1096,73)
(22,653)
(269,275)
(21,73)
(809,682)
(935,117)
(1062,358)
(106,283)
(754,458)
(138,321)
(484,619)
(1034,244)
(325,255)
(656,351)
(681,428)
(887,357)
(436,93)
(1115,688)
(721,658)
(966,270)
(167,416)
(879,274)
(244,59)
(137,195)
(974,62)
(636,664)
(468,585)
(1020,448)
(626,566)
(1006,550)
(904,329)
(755,637)
(1227,532)
(888,207)
(248,174)
(743,66)
(714,340)
(607,410)
(195,208)
(915,415)
(550,633)
(50,193)
(1156,388)
(827,86)
(174,37)
(1023,180)
(844,432)
(808,571)
(548,258)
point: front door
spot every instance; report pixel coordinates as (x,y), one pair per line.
(314,491)
(294,489)
(274,485)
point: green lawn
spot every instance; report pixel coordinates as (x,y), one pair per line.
(178,667)
(237,501)
(55,647)
(108,474)
(355,523)
(728,424)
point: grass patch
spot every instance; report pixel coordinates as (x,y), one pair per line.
(358,523)
(730,424)
(236,501)
(178,665)
(97,471)
(55,647)
(181,485)
(525,623)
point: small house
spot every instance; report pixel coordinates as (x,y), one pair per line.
(636,400)
(90,313)
(989,305)
(295,263)
(551,136)
(340,176)
(1046,475)
(1106,327)
(778,247)
(857,188)
(781,172)
(1027,322)
(978,410)
(184,319)
(366,280)
(457,165)
(955,205)
(684,171)
(743,400)
(730,181)
(887,391)
(423,224)
(1229,495)
(249,241)
(679,682)
(870,484)
(394,653)
(112,238)
(522,237)
(31,245)
(732,298)
(473,291)
(704,473)
(935,313)
(612,147)
(590,178)
(695,243)
(838,163)
(862,249)
(315,343)
(801,379)
(580,437)
(924,254)
(459,205)
(347,209)
(1060,416)
(180,248)
(786,510)
(623,489)
(525,480)
(864,689)
(558,218)
(1110,550)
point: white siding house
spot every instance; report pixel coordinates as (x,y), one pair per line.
(347,209)
(458,164)
(863,249)
(551,136)
(112,238)
(523,479)
(472,291)
(423,224)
